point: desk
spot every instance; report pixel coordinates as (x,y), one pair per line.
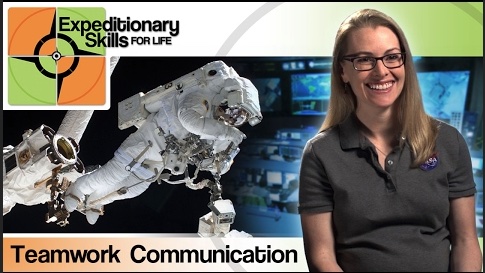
(266,222)
(287,206)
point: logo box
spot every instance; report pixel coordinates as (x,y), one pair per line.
(55,57)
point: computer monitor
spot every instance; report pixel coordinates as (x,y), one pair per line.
(290,177)
(477,164)
(274,178)
(269,90)
(444,95)
(310,93)
(291,153)
(272,150)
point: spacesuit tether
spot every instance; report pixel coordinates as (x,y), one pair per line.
(189,121)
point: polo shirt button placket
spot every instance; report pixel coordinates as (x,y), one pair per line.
(389,170)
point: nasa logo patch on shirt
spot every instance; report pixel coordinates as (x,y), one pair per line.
(431,163)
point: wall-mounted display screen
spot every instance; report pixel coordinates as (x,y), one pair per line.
(310,93)
(444,95)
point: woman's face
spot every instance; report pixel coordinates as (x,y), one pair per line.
(380,86)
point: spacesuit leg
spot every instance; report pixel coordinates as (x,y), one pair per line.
(122,177)
(109,183)
(99,191)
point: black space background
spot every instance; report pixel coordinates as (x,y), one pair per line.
(161,208)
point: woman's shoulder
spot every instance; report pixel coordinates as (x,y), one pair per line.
(327,136)
(448,134)
(445,129)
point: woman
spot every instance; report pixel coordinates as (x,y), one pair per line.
(383,186)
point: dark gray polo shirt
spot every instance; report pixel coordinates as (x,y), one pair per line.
(385,220)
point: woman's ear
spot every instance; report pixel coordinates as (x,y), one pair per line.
(343,75)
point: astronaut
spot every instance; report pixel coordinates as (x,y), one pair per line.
(192,120)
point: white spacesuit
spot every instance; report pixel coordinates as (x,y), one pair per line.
(189,121)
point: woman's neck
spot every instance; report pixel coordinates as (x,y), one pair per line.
(382,126)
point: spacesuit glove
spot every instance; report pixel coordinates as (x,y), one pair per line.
(93,214)
(75,200)
(235,135)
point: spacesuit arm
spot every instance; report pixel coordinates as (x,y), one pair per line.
(195,115)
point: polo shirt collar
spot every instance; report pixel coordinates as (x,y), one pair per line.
(350,136)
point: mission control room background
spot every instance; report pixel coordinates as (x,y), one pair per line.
(263,180)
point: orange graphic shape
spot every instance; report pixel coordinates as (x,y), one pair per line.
(64,64)
(86,85)
(26,27)
(48,47)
